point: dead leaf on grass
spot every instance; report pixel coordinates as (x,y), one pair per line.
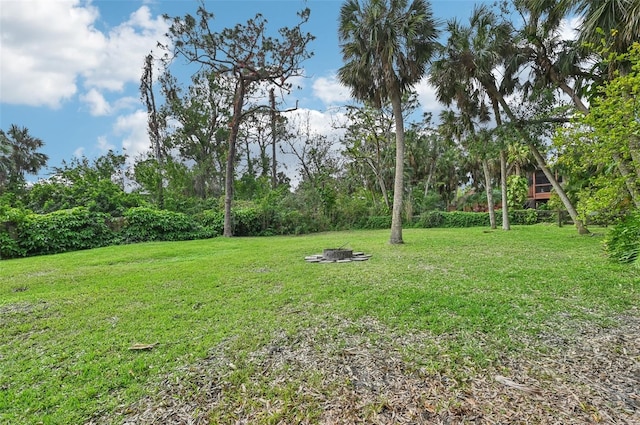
(142,347)
(509,383)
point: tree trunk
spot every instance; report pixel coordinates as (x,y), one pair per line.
(503,186)
(629,181)
(154,123)
(503,165)
(427,183)
(379,177)
(238,102)
(274,138)
(398,185)
(250,170)
(634,152)
(383,188)
(489,190)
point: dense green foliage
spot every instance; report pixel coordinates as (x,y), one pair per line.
(25,233)
(453,219)
(97,185)
(144,224)
(10,220)
(623,241)
(64,230)
(601,149)
(517,190)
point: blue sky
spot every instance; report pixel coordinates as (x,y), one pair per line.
(70,69)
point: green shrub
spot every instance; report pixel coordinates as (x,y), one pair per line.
(378,222)
(247,221)
(528,216)
(264,219)
(622,243)
(10,221)
(294,223)
(211,220)
(352,210)
(64,230)
(452,219)
(431,219)
(144,224)
(465,219)
(517,191)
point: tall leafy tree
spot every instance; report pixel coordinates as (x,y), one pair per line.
(450,170)
(386,46)
(156,125)
(98,185)
(315,153)
(369,143)
(5,160)
(201,112)
(247,56)
(19,156)
(609,132)
(484,77)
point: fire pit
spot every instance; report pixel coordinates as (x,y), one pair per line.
(337,255)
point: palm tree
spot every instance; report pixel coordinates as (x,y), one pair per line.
(466,73)
(19,156)
(617,21)
(552,60)
(559,62)
(386,45)
(5,162)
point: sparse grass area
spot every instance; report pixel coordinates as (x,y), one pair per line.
(67,321)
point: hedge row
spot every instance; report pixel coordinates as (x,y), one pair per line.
(473,219)
(23,233)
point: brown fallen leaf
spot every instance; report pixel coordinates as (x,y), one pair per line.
(509,383)
(143,346)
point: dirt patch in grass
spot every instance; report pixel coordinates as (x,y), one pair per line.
(344,372)
(22,308)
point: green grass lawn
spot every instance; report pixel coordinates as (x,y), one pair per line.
(67,321)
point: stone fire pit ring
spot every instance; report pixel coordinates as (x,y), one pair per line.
(337,255)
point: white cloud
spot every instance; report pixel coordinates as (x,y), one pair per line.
(98,106)
(318,122)
(78,153)
(104,146)
(127,102)
(570,28)
(44,47)
(133,128)
(122,57)
(330,91)
(48,46)
(427,98)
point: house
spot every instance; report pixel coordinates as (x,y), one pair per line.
(539,188)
